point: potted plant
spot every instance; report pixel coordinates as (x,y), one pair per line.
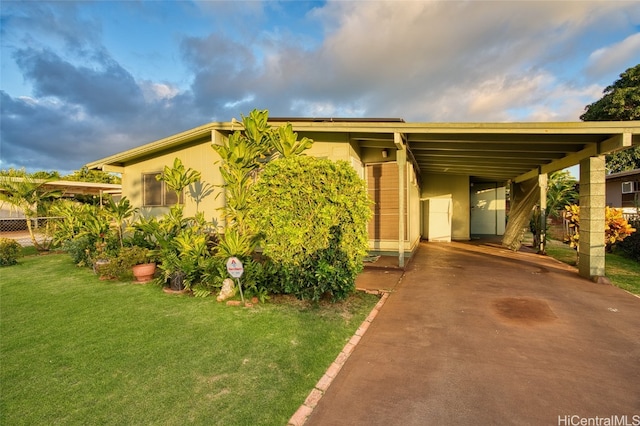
(144,268)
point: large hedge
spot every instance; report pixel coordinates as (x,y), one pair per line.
(312,215)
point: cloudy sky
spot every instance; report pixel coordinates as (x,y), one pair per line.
(83,80)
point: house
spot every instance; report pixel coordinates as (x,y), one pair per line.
(435,181)
(623,191)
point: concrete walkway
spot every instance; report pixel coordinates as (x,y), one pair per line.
(476,335)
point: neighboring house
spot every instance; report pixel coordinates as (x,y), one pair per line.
(436,181)
(623,190)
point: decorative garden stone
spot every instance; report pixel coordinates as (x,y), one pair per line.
(228,290)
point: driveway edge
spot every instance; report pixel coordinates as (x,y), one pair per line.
(302,414)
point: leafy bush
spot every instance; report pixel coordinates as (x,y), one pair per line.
(9,252)
(616,227)
(80,249)
(630,246)
(312,214)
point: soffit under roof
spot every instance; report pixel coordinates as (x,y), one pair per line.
(483,151)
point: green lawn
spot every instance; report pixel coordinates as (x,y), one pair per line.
(76,350)
(622,271)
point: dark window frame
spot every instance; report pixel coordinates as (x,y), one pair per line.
(166,196)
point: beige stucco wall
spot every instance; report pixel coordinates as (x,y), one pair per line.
(201,157)
(198,157)
(456,187)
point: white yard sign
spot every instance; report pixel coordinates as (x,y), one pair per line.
(235,267)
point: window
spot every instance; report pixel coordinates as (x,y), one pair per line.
(156,193)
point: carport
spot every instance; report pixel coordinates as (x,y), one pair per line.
(517,154)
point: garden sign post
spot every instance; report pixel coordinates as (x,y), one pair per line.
(235,269)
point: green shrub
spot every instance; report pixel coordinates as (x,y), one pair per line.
(630,246)
(80,249)
(312,214)
(9,252)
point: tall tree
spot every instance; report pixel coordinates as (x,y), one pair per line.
(621,102)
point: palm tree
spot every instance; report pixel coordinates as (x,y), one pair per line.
(561,191)
(26,194)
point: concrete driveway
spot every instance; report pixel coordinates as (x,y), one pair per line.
(477,335)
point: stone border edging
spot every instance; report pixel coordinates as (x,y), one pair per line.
(302,414)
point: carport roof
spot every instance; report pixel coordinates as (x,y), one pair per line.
(483,151)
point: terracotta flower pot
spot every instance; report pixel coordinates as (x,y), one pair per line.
(144,272)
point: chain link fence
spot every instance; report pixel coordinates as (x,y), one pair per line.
(15,228)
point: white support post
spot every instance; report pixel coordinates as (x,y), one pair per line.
(401,158)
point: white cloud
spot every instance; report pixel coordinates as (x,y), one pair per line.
(444,61)
(154,92)
(616,57)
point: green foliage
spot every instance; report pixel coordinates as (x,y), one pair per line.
(86,175)
(29,194)
(178,177)
(287,144)
(616,227)
(621,161)
(561,191)
(71,216)
(184,246)
(245,152)
(242,154)
(235,243)
(121,263)
(621,102)
(312,214)
(119,213)
(9,251)
(630,246)
(80,249)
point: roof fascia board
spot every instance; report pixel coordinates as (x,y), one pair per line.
(162,144)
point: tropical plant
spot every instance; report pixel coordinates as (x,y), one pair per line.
(287,144)
(616,226)
(119,212)
(235,243)
(28,194)
(561,191)
(178,177)
(242,154)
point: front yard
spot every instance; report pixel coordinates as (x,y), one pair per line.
(622,271)
(77,350)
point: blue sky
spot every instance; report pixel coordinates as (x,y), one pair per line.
(83,80)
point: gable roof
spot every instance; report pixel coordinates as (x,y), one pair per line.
(492,151)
